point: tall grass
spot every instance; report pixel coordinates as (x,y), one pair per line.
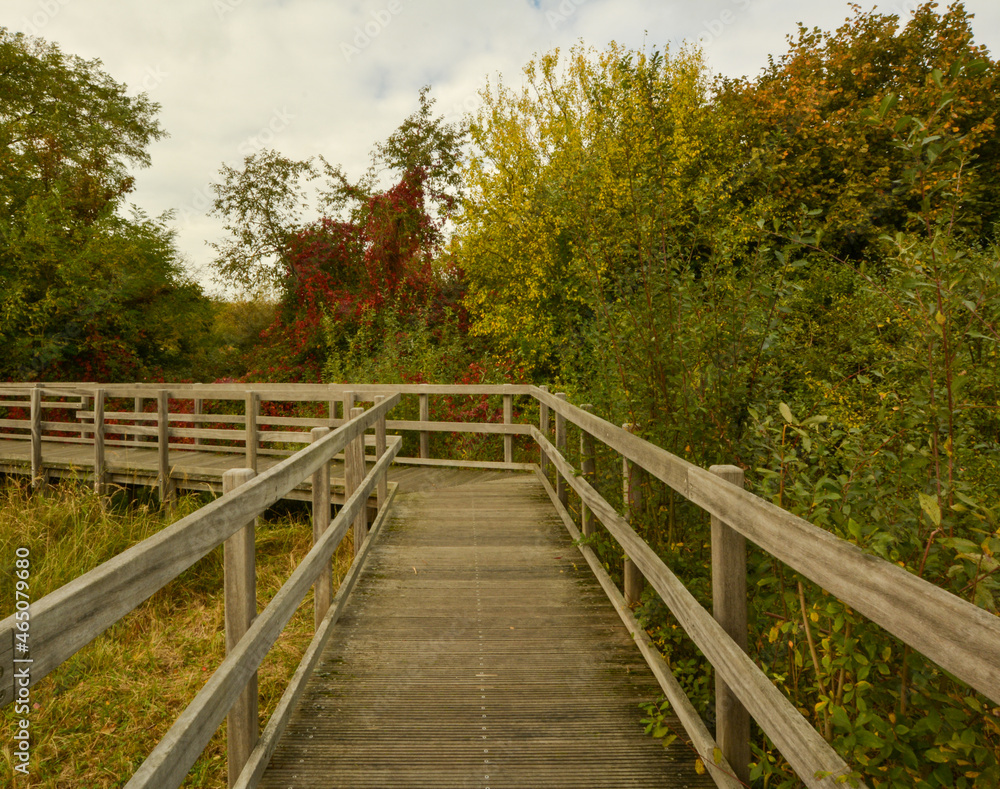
(96,717)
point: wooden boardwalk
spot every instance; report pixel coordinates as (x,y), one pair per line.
(478,650)
(193,470)
(189,470)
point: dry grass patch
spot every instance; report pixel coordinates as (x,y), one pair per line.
(96,717)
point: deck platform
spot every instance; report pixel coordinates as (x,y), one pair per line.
(202,470)
(478,650)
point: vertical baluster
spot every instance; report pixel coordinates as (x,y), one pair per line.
(562,489)
(588,466)
(729,607)
(240,582)
(252,429)
(99,458)
(354,474)
(199,409)
(380,447)
(425,436)
(37,468)
(138,406)
(166,488)
(633,580)
(323,594)
(508,440)
(543,428)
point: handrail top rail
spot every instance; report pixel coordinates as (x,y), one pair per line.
(68,618)
(959,636)
(274,392)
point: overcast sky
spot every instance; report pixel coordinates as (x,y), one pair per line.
(327,77)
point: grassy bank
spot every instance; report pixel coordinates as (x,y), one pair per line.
(95,718)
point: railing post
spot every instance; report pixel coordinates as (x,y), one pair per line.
(729,606)
(137,407)
(323,590)
(348,399)
(252,429)
(241,609)
(508,440)
(333,408)
(425,436)
(633,580)
(99,442)
(380,447)
(37,470)
(588,467)
(562,490)
(86,404)
(198,411)
(354,474)
(543,428)
(163,446)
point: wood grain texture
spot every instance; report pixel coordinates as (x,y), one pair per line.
(138,406)
(275,728)
(491,428)
(475,610)
(168,764)
(98,437)
(729,607)
(383,490)
(957,635)
(163,447)
(321,513)
(543,425)
(508,418)
(37,467)
(801,745)
(425,416)
(197,414)
(275,392)
(701,739)
(562,491)
(252,435)
(69,618)
(960,637)
(240,595)
(588,467)
(632,580)
(356,451)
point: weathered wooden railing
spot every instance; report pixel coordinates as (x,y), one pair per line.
(960,637)
(180,421)
(66,620)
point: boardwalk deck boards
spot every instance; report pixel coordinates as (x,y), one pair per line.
(200,470)
(473,599)
(477,651)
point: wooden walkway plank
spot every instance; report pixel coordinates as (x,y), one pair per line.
(478,651)
(202,470)
(190,470)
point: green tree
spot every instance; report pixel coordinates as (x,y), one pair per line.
(268,202)
(84,291)
(804,135)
